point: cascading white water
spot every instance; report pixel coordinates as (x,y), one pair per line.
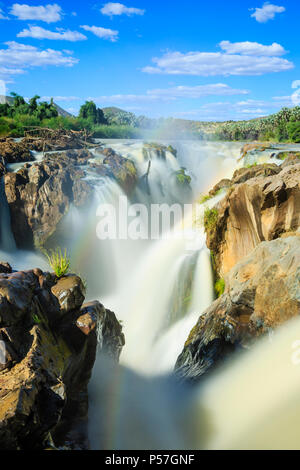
(138,279)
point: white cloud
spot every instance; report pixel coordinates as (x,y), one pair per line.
(217,89)
(219,63)
(18,57)
(117,9)
(37,32)
(102,33)
(223,111)
(48,13)
(252,48)
(2,16)
(174,93)
(267,12)
(60,98)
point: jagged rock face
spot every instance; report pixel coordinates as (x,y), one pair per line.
(262,203)
(262,292)
(14,152)
(119,168)
(47,358)
(40,195)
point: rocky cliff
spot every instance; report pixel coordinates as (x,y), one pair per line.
(41,193)
(253,234)
(48,342)
(262,203)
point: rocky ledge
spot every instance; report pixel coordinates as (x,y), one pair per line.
(41,193)
(253,234)
(262,292)
(48,342)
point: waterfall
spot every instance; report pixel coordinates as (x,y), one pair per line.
(7,241)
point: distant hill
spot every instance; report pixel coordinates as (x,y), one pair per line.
(113,110)
(62,112)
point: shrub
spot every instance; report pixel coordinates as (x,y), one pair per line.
(219,287)
(59,262)
(210,218)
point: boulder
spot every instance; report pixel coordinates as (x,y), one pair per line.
(119,168)
(40,195)
(5,267)
(47,359)
(255,209)
(262,292)
(70,292)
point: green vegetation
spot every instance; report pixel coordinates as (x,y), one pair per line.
(113,122)
(253,165)
(204,198)
(90,112)
(36,319)
(210,218)
(283,126)
(182,178)
(283,155)
(220,287)
(59,262)
(19,115)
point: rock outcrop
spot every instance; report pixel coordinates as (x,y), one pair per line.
(39,195)
(48,344)
(119,168)
(262,203)
(14,152)
(262,292)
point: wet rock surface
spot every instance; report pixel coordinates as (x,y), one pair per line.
(262,292)
(46,359)
(119,168)
(41,193)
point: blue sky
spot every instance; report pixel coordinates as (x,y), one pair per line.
(195,59)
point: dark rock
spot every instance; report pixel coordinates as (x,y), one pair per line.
(41,195)
(70,292)
(46,366)
(5,267)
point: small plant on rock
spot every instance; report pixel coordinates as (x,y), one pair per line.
(210,218)
(220,287)
(59,262)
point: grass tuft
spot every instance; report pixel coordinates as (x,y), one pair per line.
(210,218)
(59,262)
(220,287)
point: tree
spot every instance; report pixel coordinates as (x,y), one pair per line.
(90,112)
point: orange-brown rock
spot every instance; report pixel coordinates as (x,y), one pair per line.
(262,292)
(14,152)
(262,204)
